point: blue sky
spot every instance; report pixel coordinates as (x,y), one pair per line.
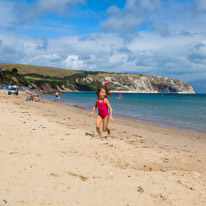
(160,37)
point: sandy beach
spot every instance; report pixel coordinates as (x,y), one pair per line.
(50,154)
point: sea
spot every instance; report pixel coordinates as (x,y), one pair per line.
(180,111)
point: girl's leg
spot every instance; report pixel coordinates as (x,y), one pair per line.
(105,125)
(98,123)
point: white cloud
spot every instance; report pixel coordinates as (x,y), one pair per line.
(198,53)
(131,16)
(74,62)
(11,49)
(46,57)
(178,57)
(161,28)
(28,12)
(57,6)
(146,53)
(149,5)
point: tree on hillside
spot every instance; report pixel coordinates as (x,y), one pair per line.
(1,74)
(14,71)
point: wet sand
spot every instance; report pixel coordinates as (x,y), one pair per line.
(50,154)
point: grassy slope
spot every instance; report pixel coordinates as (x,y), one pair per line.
(51,71)
(46,71)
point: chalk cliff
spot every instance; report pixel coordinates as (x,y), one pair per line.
(141,84)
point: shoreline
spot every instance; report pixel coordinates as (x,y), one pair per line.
(151,122)
(166,125)
(151,92)
(51,156)
(147,121)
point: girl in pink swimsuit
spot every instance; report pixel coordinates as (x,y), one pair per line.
(103,104)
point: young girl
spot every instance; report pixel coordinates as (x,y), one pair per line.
(103,104)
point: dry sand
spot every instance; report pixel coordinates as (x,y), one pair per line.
(49,156)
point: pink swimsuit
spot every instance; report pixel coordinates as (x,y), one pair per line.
(102,109)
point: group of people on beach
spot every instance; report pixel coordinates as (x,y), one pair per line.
(31,97)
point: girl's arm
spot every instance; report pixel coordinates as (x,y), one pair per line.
(110,109)
(95,106)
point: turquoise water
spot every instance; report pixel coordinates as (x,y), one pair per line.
(184,111)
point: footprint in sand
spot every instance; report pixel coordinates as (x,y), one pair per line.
(54,175)
(83,178)
(140,190)
(89,134)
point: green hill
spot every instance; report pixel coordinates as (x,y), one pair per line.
(45,71)
(55,72)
